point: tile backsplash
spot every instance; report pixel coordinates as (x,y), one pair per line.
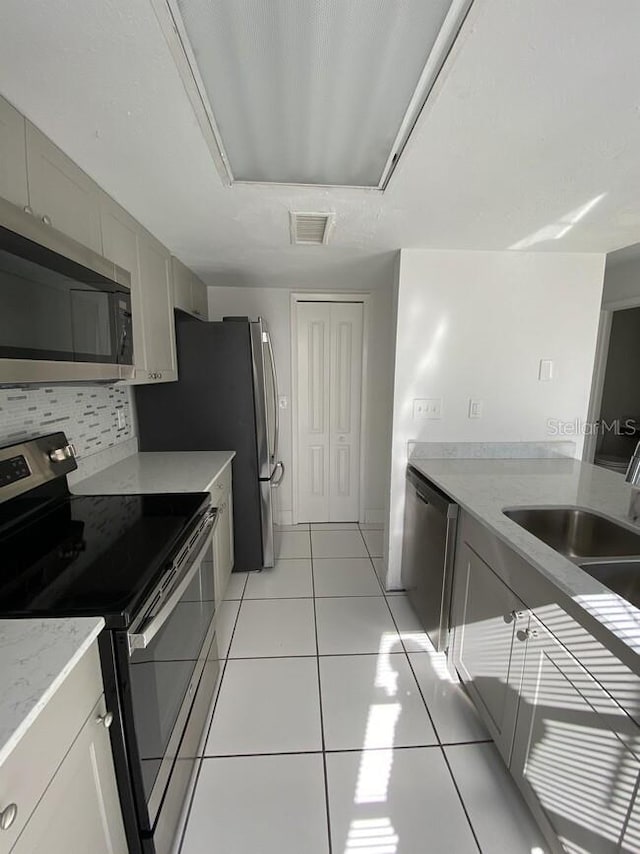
(87,414)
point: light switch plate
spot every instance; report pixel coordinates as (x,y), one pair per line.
(545,371)
(428,407)
(475,408)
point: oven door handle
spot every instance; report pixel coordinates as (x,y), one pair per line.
(142,638)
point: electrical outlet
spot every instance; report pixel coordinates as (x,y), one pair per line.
(122,421)
(427,408)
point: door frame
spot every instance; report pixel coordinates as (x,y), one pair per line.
(314,296)
(600,368)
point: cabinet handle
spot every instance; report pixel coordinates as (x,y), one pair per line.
(28,210)
(8,816)
(46,220)
(159,375)
(106,720)
(514,616)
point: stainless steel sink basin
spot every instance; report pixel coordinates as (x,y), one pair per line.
(578,533)
(621,576)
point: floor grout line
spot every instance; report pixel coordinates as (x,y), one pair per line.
(324,752)
(440,743)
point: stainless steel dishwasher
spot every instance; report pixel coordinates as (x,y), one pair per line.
(430,522)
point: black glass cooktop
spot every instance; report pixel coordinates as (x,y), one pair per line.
(91,555)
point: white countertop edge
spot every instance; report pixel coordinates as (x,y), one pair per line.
(612,611)
(158,471)
(93,626)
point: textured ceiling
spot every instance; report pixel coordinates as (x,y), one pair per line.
(529,141)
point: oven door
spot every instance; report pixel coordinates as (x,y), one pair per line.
(160,685)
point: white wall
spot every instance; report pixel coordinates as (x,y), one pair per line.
(475,325)
(273,304)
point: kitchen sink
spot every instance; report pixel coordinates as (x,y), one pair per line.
(578,533)
(621,576)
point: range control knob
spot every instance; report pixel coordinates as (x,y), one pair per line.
(59,455)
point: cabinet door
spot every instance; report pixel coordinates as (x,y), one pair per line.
(631,837)
(156,311)
(575,750)
(120,245)
(199,298)
(222,550)
(13,158)
(232,556)
(61,191)
(485,614)
(80,810)
(182,277)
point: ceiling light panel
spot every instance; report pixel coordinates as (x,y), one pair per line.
(315,91)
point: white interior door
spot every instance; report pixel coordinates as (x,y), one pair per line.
(329,344)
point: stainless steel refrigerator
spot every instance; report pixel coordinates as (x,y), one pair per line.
(226,398)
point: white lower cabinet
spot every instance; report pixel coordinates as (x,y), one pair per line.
(80,810)
(573,749)
(223,552)
(58,784)
(486,614)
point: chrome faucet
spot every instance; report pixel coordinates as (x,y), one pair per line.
(633,477)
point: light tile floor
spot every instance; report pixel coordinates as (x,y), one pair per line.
(337,728)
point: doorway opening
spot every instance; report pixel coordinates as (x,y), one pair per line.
(619,411)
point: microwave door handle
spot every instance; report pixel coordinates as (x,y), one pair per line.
(142,638)
(276,414)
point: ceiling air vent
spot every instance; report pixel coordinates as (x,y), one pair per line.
(310,229)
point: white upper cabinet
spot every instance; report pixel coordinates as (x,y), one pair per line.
(131,247)
(189,293)
(199,298)
(181,285)
(39,177)
(13,161)
(155,305)
(60,193)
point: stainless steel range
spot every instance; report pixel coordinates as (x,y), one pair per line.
(141,562)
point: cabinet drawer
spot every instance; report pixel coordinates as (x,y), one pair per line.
(31,766)
(221,487)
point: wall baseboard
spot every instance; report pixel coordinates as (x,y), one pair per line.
(374,517)
(283,517)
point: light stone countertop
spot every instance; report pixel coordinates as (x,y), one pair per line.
(485,487)
(157,471)
(36,656)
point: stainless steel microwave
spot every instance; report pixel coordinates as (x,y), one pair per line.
(65,311)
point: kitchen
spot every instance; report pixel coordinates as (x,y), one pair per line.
(437,276)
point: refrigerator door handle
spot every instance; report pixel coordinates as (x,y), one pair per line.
(279,465)
(276,409)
